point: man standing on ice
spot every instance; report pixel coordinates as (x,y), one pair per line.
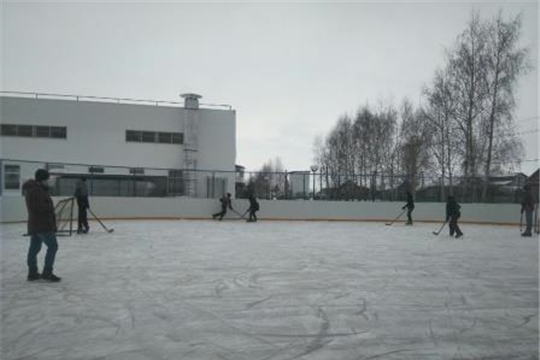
(452,215)
(527,206)
(225,202)
(81,194)
(410,207)
(41,226)
(253,208)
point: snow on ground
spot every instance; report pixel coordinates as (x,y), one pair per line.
(275,291)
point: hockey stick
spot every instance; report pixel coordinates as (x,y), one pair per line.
(237,213)
(436,233)
(95,217)
(400,215)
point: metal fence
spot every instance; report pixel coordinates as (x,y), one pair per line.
(124,181)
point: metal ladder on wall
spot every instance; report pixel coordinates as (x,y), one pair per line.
(191,145)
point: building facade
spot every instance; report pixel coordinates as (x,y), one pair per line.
(125,147)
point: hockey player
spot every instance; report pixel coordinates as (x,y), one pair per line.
(81,194)
(527,206)
(41,226)
(453,214)
(253,208)
(225,203)
(410,207)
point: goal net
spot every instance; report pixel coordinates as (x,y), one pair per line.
(64,216)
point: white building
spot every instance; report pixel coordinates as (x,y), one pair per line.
(125,146)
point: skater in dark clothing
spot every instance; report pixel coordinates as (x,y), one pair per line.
(527,207)
(253,208)
(225,203)
(81,194)
(41,226)
(410,208)
(452,215)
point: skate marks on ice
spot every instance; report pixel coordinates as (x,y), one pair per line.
(314,291)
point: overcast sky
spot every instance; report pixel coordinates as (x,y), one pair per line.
(288,69)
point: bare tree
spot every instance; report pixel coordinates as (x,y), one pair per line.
(440,113)
(416,133)
(270,180)
(467,66)
(505,63)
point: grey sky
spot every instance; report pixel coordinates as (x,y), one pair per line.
(289,69)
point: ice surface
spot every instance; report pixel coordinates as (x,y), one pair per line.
(274,290)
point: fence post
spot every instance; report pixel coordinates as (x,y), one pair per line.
(134,184)
(213,184)
(92,180)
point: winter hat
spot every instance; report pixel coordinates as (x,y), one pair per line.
(41,175)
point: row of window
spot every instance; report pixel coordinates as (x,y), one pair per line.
(56,132)
(12,174)
(154,137)
(12,179)
(60,132)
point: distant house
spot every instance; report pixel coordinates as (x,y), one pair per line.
(348,190)
(500,189)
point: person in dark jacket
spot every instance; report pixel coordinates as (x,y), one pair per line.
(81,194)
(527,207)
(253,208)
(225,203)
(410,207)
(453,213)
(41,226)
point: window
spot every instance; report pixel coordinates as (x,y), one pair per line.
(96,169)
(9,130)
(154,137)
(58,132)
(136,171)
(176,182)
(132,135)
(12,177)
(41,131)
(148,136)
(24,130)
(178,138)
(165,138)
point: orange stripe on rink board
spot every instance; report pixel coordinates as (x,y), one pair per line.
(171,218)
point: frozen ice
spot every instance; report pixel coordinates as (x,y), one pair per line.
(275,291)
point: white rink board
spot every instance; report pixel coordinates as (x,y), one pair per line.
(13,209)
(275,290)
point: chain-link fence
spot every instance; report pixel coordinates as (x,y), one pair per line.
(162,182)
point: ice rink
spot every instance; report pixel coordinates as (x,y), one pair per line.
(273,290)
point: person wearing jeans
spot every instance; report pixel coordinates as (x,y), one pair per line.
(35,246)
(41,226)
(527,207)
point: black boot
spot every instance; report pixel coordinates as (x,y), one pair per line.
(49,276)
(33,276)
